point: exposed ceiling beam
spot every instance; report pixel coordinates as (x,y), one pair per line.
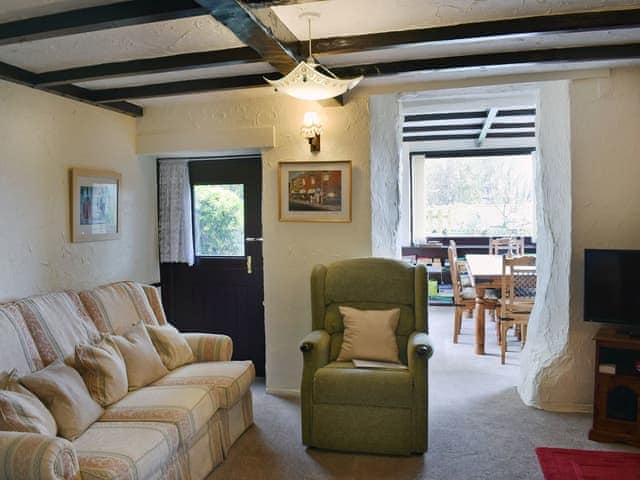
(121,14)
(24,77)
(276,3)
(554,55)
(491,116)
(185,61)
(242,21)
(441,128)
(610,52)
(178,88)
(526,26)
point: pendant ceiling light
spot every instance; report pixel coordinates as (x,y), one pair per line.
(308,82)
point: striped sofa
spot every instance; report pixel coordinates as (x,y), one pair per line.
(180,427)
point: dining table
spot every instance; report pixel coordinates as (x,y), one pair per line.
(485,272)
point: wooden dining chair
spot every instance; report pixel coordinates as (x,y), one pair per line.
(517,298)
(510,246)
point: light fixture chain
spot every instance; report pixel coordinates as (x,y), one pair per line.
(310,55)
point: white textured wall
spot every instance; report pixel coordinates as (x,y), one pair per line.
(41,137)
(386,146)
(546,356)
(604,210)
(290,249)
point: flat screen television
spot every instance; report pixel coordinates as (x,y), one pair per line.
(612,287)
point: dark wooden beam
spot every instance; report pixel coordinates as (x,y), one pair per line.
(573,54)
(121,14)
(178,88)
(186,61)
(525,26)
(445,116)
(441,128)
(20,76)
(498,125)
(477,152)
(242,21)
(516,112)
(276,3)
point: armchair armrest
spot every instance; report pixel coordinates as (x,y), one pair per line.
(419,348)
(30,456)
(209,347)
(315,350)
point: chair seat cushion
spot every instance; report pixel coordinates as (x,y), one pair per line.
(231,380)
(342,384)
(469,293)
(189,408)
(116,450)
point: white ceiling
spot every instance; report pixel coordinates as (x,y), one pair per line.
(337,18)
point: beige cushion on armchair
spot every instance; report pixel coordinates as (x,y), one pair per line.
(369,335)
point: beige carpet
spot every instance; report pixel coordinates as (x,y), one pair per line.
(478,427)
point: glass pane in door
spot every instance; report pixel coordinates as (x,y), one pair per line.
(219,220)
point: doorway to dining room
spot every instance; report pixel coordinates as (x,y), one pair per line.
(470,171)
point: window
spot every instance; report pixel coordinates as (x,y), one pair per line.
(473,196)
(219,220)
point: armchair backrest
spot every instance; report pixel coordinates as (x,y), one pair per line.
(369,284)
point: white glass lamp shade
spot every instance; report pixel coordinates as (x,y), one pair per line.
(306,83)
(311,125)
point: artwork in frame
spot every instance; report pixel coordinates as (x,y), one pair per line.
(95,198)
(314,191)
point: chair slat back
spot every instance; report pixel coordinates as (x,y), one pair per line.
(455,274)
(518,282)
(507,245)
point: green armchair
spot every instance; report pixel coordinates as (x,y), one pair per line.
(366,410)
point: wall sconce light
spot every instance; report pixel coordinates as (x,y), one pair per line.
(311,130)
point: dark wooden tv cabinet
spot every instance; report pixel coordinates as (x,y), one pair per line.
(616,399)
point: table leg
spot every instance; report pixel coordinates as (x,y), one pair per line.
(480,319)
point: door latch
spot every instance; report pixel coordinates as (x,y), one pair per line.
(249,271)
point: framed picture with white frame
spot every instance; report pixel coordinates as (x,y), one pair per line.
(95,200)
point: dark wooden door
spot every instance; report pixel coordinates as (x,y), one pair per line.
(223,291)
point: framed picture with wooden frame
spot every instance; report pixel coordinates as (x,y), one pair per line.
(314,191)
(95,205)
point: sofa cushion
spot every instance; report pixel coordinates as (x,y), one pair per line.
(17,348)
(341,384)
(116,307)
(231,380)
(21,410)
(129,450)
(143,362)
(64,393)
(173,348)
(189,408)
(155,300)
(57,322)
(103,371)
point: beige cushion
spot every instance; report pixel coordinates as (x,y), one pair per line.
(143,362)
(21,410)
(63,392)
(172,347)
(103,371)
(369,335)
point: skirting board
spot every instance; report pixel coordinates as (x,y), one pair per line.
(565,407)
(283,392)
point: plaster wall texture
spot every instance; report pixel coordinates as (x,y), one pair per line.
(41,137)
(546,358)
(290,249)
(386,165)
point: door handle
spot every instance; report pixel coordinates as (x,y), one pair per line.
(249,271)
(254,239)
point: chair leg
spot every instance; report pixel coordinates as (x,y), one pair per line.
(524,334)
(470,313)
(457,324)
(503,345)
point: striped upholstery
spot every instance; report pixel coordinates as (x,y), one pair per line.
(235,420)
(130,450)
(57,322)
(208,347)
(231,380)
(55,456)
(103,370)
(116,307)
(189,408)
(17,348)
(153,296)
(21,410)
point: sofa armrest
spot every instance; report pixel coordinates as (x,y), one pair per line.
(209,347)
(30,456)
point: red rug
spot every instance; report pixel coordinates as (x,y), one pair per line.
(567,464)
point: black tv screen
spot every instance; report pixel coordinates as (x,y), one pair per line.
(612,286)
